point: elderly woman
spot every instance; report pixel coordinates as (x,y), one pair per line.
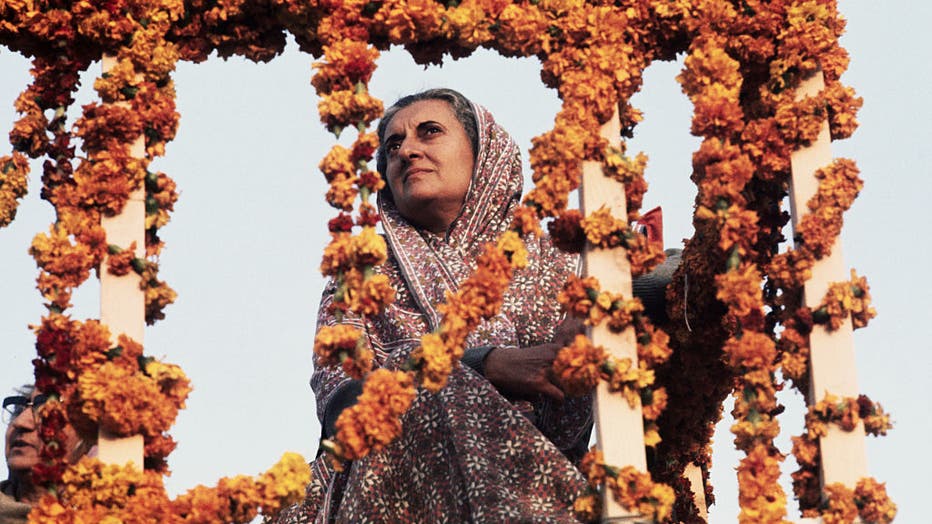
(18,493)
(497,444)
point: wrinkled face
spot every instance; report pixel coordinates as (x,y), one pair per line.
(22,440)
(430,164)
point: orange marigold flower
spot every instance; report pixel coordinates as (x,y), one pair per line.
(653,345)
(526,222)
(740,290)
(623,312)
(13,185)
(333,343)
(874,505)
(593,466)
(342,192)
(578,294)
(759,492)
(374,421)
(806,451)
(337,254)
(347,62)
(840,506)
(337,164)
(653,402)
(578,366)
(121,262)
(752,350)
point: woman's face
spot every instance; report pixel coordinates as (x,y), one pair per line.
(430,164)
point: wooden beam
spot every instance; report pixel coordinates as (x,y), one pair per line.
(619,427)
(832,361)
(122,301)
(693,474)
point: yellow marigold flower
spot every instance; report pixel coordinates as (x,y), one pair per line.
(171,380)
(628,379)
(284,483)
(91,343)
(513,247)
(369,248)
(588,508)
(602,229)
(651,435)
(435,362)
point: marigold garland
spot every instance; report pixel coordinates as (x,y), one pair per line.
(741,71)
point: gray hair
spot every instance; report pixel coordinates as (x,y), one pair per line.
(462,110)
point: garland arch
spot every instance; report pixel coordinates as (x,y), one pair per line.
(744,63)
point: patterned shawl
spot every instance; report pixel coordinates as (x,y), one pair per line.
(467,454)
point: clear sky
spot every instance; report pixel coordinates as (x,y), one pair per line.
(246,238)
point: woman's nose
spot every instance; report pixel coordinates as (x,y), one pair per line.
(410,148)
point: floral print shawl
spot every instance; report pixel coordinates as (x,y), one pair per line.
(466,454)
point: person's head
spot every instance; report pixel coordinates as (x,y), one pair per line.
(22,414)
(427,152)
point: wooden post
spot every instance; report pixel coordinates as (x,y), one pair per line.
(832,361)
(122,301)
(694,475)
(619,427)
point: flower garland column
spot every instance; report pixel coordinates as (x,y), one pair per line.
(619,423)
(832,360)
(122,299)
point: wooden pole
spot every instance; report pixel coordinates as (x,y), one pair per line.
(619,427)
(122,301)
(832,360)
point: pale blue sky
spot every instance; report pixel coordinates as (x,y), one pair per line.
(246,238)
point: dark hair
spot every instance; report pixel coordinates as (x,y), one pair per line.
(462,110)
